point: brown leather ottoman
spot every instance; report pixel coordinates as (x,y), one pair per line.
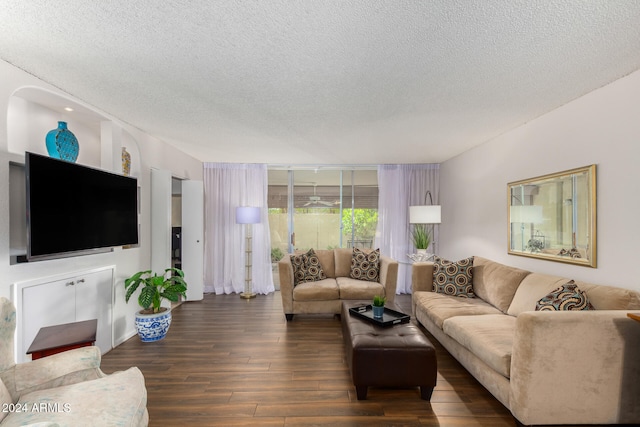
(395,356)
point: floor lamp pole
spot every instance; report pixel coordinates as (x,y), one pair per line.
(433,237)
(248,287)
(248,216)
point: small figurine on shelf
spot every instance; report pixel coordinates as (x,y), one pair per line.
(126,162)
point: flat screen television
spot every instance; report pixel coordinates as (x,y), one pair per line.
(76,210)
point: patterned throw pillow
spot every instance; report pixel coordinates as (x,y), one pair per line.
(307,268)
(453,278)
(566,297)
(365,266)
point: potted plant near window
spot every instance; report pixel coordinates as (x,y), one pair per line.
(421,237)
(378,306)
(152,322)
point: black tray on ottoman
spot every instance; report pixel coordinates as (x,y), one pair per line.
(389,317)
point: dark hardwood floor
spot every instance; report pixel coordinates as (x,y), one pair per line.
(234,362)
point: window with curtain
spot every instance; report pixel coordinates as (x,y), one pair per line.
(401,186)
(227,186)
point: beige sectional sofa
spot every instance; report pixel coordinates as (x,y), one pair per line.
(547,367)
(326,296)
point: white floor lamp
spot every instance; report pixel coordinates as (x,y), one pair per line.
(248,216)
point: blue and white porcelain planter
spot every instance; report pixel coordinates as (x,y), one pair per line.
(153,327)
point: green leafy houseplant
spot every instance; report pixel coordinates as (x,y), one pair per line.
(421,236)
(379,301)
(155,288)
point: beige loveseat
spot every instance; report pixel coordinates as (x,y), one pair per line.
(66,389)
(326,296)
(547,367)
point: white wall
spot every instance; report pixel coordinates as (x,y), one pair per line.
(602,127)
(17,135)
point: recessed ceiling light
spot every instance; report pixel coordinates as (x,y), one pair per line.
(68,109)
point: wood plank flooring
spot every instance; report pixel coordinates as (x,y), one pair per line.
(233,362)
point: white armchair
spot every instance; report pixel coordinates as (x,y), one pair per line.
(66,389)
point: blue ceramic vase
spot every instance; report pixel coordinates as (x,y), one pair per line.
(62,143)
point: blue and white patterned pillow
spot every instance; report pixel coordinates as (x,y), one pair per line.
(566,297)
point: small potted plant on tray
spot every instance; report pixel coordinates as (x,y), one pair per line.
(378,306)
(152,322)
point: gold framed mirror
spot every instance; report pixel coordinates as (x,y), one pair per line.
(553,217)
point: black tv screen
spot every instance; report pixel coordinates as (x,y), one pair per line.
(74,209)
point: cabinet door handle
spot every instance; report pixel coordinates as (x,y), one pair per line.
(72,283)
(80,281)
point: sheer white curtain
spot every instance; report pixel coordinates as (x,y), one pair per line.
(401,186)
(227,186)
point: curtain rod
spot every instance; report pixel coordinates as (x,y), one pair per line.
(275,166)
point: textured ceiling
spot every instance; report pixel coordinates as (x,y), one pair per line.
(323,82)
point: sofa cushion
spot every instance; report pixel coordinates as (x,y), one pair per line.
(118,399)
(321,290)
(496,283)
(306,268)
(489,337)
(365,266)
(327,261)
(536,285)
(566,297)
(358,289)
(439,307)
(453,278)
(343,261)
(532,288)
(604,297)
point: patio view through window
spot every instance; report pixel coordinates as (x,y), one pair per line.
(321,209)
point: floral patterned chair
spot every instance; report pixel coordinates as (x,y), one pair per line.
(66,389)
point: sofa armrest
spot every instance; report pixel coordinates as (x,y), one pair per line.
(575,367)
(421,281)
(285,270)
(422,276)
(69,367)
(389,277)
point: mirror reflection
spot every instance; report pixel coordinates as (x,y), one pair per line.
(553,217)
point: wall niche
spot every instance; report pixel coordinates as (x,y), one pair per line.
(32,113)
